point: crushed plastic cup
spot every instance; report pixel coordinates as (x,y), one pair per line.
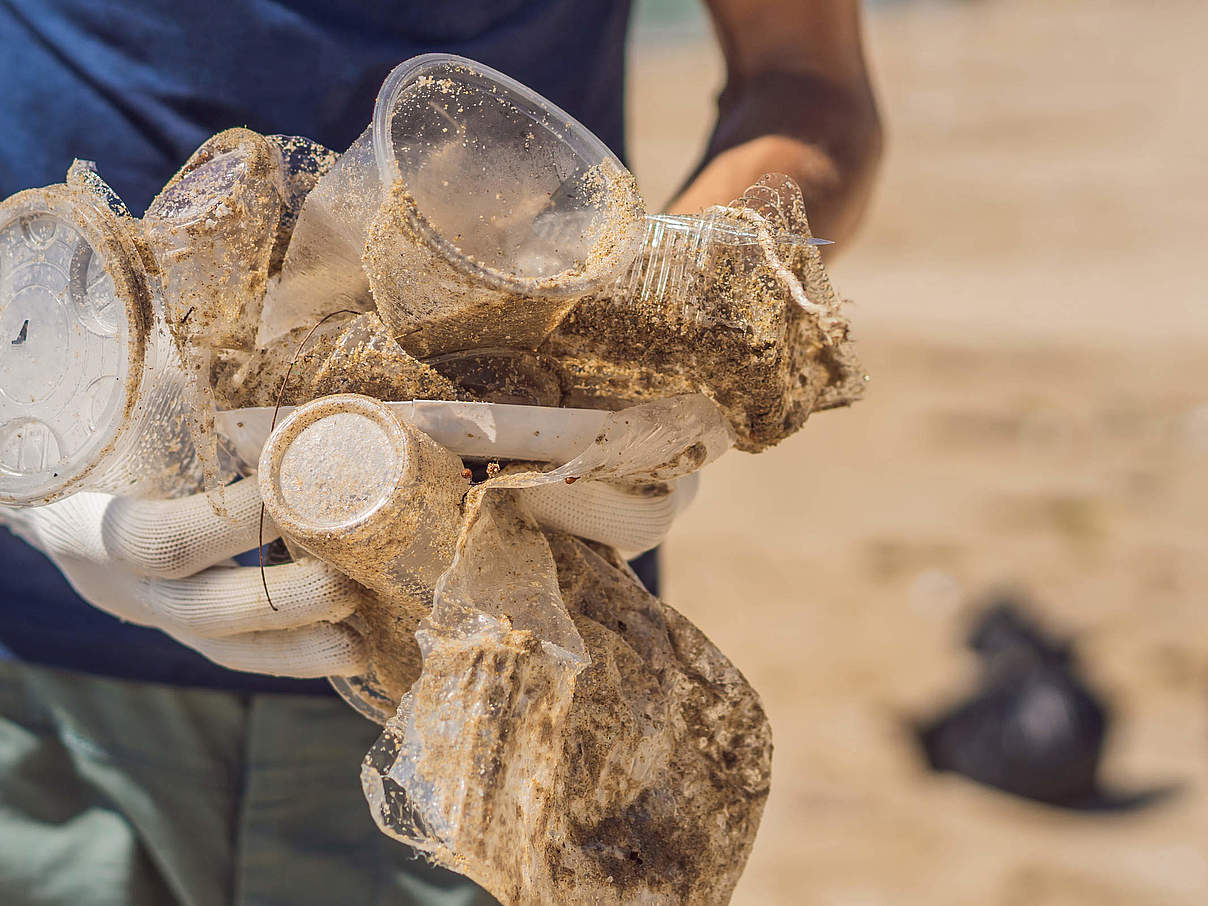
(90,383)
(213,229)
(482,210)
(734,303)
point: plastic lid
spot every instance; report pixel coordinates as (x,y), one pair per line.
(72,339)
(506,184)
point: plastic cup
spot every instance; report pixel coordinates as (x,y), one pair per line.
(482,210)
(349,482)
(90,384)
(213,229)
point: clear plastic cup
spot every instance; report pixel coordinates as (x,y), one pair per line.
(213,231)
(482,210)
(90,383)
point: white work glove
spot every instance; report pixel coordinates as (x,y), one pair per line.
(165,563)
(633,520)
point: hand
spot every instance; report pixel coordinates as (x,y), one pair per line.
(797,101)
(631,519)
(161,563)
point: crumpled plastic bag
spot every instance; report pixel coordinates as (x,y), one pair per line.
(570,738)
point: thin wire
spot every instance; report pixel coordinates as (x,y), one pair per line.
(276,411)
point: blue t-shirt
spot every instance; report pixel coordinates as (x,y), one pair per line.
(138,85)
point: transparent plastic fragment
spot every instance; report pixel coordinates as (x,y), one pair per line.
(503,570)
(303,163)
(321,271)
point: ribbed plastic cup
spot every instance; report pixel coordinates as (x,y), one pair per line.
(90,384)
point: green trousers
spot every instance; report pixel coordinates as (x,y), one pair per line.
(116,793)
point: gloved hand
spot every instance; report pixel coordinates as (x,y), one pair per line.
(161,563)
(631,519)
(164,563)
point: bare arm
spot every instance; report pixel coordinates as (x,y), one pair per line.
(797,100)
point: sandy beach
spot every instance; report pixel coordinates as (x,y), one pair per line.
(1030,309)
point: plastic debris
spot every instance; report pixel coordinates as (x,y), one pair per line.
(562,704)
(550,729)
(350,483)
(212,230)
(754,325)
(480,209)
(91,387)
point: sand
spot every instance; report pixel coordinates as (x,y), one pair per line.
(1030,308)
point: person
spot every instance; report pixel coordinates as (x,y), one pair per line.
(133,769)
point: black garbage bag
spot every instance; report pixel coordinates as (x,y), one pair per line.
(1034,728)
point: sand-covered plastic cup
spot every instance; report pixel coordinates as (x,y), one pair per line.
(90,382)
(349,482)
(482,212)
(213,229)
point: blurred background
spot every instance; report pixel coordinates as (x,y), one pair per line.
(1029,302)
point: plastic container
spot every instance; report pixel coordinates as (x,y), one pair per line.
(90,383)
(344,477)
(213,229)
(483,212)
